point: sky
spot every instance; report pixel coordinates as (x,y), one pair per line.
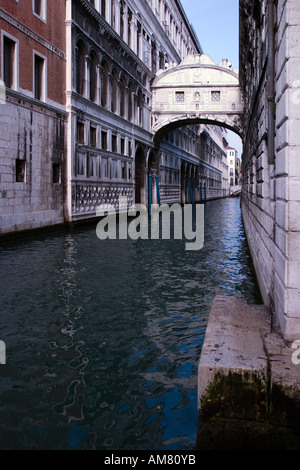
(216,23)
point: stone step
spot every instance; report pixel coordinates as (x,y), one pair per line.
(247,382)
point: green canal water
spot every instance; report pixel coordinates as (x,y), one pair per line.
(103,338)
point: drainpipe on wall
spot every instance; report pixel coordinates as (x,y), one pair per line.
(271,82)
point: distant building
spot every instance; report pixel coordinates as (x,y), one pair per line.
(116,48)
(234,169)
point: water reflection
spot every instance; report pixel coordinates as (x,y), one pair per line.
(103,337)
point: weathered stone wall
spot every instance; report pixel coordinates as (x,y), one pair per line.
(287,169)
(32,136)
(248,382)
(269,63)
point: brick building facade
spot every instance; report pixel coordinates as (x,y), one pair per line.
(33,117)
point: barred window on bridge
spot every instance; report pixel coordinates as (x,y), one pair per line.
(215,95)
(179,96)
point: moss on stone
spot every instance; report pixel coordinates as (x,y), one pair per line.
(237,412)
(236,395)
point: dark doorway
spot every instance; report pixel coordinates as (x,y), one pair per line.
(140,167)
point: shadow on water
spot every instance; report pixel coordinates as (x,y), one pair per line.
(103,338)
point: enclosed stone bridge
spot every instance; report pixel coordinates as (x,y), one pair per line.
(196,91)
(248,374)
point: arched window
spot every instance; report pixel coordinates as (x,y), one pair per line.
(122,97)
(114,91)
(104,85)
(93,76)
(129,102)
(80,67)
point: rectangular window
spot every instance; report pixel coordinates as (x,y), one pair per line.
(114,146)
(39,77)
(9,62)
(20,170)
(215,96)
(104,168)
(122,146)
(179,96)
(37,7)
(80,164)
(93,136)
(92,165)
(114,169)
(56,173)
(124,170)
(104,140)
(40,8)
(80,133)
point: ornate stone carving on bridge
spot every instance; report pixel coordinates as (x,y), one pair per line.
(197,90)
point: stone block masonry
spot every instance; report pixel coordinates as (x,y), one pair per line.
(248,388)
(32,165)
(271,171)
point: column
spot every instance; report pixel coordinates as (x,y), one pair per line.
(98,91)
(125,24)
(131,43)
(116,8)
(108,11)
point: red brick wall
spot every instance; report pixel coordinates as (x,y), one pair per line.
(53,31)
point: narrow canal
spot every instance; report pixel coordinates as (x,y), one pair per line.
(103,338)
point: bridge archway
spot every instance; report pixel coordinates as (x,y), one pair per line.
(146,165)
(196,92)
